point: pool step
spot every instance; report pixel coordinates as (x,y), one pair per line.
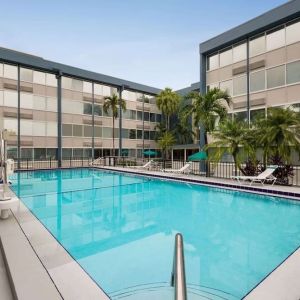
(162,291)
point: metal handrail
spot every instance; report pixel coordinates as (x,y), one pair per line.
(178,273)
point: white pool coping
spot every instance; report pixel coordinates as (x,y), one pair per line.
(70,279)
(74,283)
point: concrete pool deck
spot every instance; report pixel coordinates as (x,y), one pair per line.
(63,278)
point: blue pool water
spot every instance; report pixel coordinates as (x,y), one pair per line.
(121,228)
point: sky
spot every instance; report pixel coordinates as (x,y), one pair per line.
(153,42)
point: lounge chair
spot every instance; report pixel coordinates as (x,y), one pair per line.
(185,169)
(266,175)
(146,166)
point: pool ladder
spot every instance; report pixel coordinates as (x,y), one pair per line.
(178,273)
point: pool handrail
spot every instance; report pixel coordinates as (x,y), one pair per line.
(178,280)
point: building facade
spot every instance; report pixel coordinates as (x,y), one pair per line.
(258,63)
(57,112)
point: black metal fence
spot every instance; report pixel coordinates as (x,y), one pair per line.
(212,169)
(204,168)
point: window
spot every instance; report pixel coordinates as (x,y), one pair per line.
(26,75)
(240,85)
(39,128)
(10,99)
(107,132)
(226,86)
(97,131)
(213,62)
(1,98)
(241,116)
(39,77)
(158,118)
(27,153)
(51,153)
(51,80)
(87,87)
(11,124)
(139,134)
(275,77)
(257,45)
(292,32)
(152,117)
(10,72)
(293,72)
(78,152)
(52,129)
(106,90)
(66,153)
(39,153)
(152,135)
(26,127)
(146,116)
(226,57)
(139,115)
(88,131)
(66,83)
(77,130)
(97,110)
(146,135)
(125,133)
(26,101)
(77,85)
(275,39)
(257,81)
(239,52)
(67,130)
(98,89)
(257,114)
(39,103)
(132,134)
(51,104)
(87,109)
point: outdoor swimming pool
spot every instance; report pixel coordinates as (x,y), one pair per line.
(121,228)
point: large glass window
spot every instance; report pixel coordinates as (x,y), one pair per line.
(257,45)
(26,100)
(257,114)
(132,134)
(239,52)
(152,117)
(67,130)
(293,72)
(241,116)
(125,133)
(77,85)
(66,83)
(158,118)
(139,115)
(275,38)
(146,116)
(293,32)
(51,80)
(26,127)
(240,85)
(26,75)
(51,129)
(98,89)
(77,130)
(275,77)
(66,153)
(39,128)
(11,124)
(87,87)
(39,103)
(139,134)
(51,104)
(226,86)
(10,99)
(39,77)
(87,109)
(226,57)
(107,132)
(213,62)
(146,135)
(97,110)
(98,131)
(257,81)
(39,153)
(10,72)
(88,131)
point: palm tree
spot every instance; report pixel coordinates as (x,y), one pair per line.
(279,132)
(233,137)
(111,104)
(165,142)
(168,102)
(206,109)
(184,133)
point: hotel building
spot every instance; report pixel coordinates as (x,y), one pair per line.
(57,112)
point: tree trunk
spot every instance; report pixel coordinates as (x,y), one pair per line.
(113,136)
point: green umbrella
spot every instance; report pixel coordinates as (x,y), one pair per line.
(201,155)
(150,153)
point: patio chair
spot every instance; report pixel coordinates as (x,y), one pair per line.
(185,169)
(146,166)
(265,176)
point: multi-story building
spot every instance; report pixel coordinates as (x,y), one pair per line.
(57,111)
(258,62)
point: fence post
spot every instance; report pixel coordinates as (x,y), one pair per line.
(50,162)
(27,164)
(82,161)
(70,162)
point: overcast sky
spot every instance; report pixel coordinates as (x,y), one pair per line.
(154,42)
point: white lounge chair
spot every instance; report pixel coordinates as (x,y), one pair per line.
(147,166)
(185,169)
(266,175)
